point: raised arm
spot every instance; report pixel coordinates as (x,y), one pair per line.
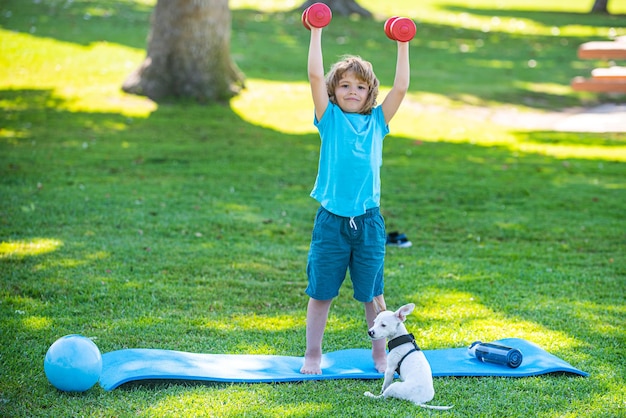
(316,73)
(391,104)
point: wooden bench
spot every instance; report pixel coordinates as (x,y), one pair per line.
(603,50)
(603,80)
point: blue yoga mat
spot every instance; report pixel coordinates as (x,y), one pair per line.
(123,366)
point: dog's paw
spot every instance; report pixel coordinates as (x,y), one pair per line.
(371,395)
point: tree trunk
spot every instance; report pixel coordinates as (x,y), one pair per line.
(188,53)
(341,7)
(600,6)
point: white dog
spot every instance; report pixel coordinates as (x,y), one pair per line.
(404,357)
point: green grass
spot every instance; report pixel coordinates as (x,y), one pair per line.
(185,227)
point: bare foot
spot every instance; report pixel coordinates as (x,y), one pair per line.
(379,354)
(381,364)
(312,364)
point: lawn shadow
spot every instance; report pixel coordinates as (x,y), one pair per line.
(521,238)
(80,22)
(544,17)
(132,199)
(196,213)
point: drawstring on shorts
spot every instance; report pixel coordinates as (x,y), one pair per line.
(352,223)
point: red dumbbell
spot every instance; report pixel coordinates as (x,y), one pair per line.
(317,15)
(400,29)
(388,27)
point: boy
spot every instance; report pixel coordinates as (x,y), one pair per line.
(349,231)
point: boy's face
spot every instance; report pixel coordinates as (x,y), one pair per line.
(351,93)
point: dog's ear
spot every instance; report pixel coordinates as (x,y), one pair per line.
(404,311)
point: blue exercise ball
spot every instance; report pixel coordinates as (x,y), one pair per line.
(73,363)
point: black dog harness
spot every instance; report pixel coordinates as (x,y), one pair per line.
(403,339)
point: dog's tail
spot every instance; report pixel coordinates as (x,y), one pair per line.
(441,408)
(378,305)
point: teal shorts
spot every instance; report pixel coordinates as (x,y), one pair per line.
(340,245)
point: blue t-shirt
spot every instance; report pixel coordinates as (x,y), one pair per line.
(351,154)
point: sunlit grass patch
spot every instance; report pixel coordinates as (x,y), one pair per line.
(84,78)
(32,247)
(254,322)
(236,401)
(290,110)
(37,323)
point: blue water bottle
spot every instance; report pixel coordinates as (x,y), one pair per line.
(496,353)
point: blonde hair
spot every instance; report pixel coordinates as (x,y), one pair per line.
(362,70)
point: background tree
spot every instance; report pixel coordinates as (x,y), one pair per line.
(600,6)
(341,7)
(188,53)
